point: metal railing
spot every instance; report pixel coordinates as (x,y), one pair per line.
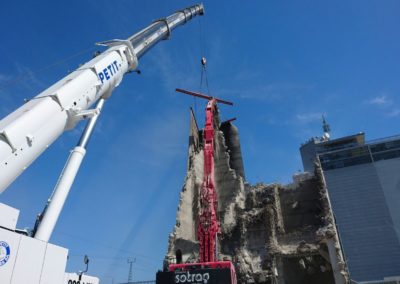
(367,153)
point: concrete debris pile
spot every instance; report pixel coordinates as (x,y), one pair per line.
(273,233)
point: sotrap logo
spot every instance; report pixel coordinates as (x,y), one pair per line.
(4,253)
(192,278)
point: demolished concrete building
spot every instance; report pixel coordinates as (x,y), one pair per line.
(273,233)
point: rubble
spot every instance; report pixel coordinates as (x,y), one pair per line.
(273,233)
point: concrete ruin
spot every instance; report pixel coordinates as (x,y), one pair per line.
(272,233)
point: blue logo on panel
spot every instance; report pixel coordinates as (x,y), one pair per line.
(4,253)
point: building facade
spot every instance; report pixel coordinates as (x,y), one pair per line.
(363,181)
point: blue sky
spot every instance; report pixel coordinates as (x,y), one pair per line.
(283,64)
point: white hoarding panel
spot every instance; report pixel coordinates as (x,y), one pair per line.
(9,243)
(28,265)
(8,216)
(55,261)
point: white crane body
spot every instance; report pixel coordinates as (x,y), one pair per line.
(29,130)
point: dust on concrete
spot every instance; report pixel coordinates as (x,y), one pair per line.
(273,233)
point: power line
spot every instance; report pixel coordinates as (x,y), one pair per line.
(93,242)
(130,262)
(29,73)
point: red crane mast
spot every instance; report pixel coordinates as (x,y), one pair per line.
(219,272)
(208,226)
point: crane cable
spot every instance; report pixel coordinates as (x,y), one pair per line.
(203,72)
(203,60)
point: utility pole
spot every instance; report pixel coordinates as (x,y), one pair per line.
(130,261)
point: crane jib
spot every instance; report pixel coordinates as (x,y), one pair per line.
(28,131)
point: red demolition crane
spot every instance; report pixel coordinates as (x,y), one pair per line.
(209,269)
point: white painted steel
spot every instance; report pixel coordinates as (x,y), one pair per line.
(31,261)
(28,265)
(28,131)
(64,184)
(87,132)
(6,269)
(55,261)
(61,191)
(8,217)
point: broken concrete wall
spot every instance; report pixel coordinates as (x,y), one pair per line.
(183,239)
(229,183)
(230,190)
(273,233)
(232,142)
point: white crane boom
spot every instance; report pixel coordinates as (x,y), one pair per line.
(29,130)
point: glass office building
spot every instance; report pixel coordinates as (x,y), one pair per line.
(363,181)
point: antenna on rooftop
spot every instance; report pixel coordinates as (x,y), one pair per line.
(326,128)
